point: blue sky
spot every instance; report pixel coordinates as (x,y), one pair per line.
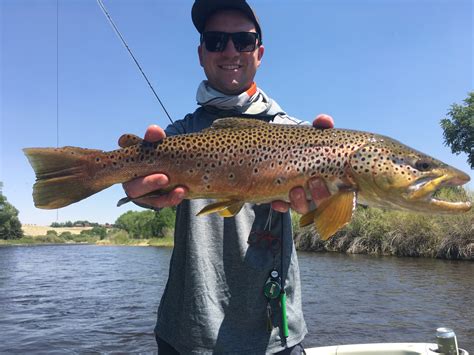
(388,66)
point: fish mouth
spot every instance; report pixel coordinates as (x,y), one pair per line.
(424,188)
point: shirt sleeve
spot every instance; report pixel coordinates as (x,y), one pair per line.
(178,127)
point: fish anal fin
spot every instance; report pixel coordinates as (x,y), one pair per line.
(232,210)
(220,206)
(307,219)
(334,213)
(127,140)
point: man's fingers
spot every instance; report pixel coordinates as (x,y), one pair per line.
(177,195)
(298,200)
(280,206)
(154,133)
(142,186)
(318,190)
(323,121)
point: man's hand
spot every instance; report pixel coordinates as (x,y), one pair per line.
(317,187)
(146,184)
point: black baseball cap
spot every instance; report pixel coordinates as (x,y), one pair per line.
(202,9)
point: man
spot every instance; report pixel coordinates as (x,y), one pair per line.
(214,300)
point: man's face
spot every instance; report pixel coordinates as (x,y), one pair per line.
(230,72)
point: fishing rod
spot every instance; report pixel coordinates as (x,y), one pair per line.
(122,39)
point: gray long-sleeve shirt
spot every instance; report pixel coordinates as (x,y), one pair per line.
(214,301)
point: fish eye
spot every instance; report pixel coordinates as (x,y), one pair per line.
(423,165)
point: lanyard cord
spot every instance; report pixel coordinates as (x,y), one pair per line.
(284,318)
(281,253)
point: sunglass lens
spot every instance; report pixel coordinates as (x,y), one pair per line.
(244,41)
(215,41)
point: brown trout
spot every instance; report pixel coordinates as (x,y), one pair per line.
(240,160)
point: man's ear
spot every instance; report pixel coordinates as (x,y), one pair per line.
(200,54)
(260,52)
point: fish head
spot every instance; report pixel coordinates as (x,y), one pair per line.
(390,174)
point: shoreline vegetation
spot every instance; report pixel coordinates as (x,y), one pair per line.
(372,231)
(396,233)
(114,237)
(379,232)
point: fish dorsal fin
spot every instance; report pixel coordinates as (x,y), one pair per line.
(127,140)
(332,214)
(236,123)
(225,208)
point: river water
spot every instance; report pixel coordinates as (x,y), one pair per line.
(83,298)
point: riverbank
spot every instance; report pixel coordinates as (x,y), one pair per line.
(396,242)
(377,232)
(112,240)
(372,231)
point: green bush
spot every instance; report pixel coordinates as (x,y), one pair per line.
(10,226)
(119,237)
(49,238)
(99,231)
(66,236)
(147,224)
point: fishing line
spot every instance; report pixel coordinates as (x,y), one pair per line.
(57,84)
(268,223)
(57,73)
(112,23)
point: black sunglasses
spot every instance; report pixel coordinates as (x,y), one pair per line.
(216,41)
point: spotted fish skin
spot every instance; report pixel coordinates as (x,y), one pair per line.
(259,163)
(243,160)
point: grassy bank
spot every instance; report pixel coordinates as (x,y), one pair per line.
(122,238)
(31,240)
(113,237)
(378,232)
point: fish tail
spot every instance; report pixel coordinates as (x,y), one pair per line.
(64,175)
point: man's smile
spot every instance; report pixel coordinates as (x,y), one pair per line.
(230,66)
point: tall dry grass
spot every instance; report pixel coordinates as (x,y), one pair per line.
(380,232)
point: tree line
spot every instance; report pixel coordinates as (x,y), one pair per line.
(70,224)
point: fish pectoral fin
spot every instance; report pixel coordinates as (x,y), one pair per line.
(227,207)
(152,194)
(334,213)
(127,140)
(123,201)
(232,210)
